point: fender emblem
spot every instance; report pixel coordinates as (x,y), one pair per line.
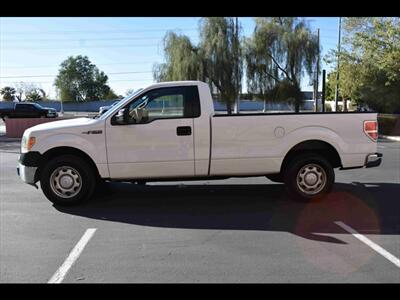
(93,132)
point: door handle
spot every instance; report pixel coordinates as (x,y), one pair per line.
(184,130)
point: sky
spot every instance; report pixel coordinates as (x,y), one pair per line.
(32,49)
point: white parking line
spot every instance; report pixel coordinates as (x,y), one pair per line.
(370,243)
(72,257)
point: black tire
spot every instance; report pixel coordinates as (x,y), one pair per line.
(301,172)
(86,178)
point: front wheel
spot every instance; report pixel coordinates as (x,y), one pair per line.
(67,180)
(309,176)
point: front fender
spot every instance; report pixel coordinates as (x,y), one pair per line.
(91,144)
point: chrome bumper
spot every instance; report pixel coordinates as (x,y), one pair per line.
(27,174)
(373,160)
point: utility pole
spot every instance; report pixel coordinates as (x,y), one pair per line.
(237,100)
(323,90)
(316,80)
(61,108)
(337,70)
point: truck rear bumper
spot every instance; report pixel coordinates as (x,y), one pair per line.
(373,160)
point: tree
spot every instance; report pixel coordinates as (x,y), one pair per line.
(23,88)
(42,93)
(277,55)
(222,57)
(8,93)
(216,60)
(80,80)
(34,95)
(183,60)
(370,62)
(111,95)
(28,91)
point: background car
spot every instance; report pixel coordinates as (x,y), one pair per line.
(28,110)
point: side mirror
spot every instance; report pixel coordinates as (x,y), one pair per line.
(121,118)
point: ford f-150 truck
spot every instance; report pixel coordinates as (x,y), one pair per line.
(169,131)
(28,110)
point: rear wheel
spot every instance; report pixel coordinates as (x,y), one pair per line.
(67,180)
(309,176)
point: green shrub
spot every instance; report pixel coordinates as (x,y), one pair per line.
(328,107)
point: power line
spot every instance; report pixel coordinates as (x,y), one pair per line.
(97,31)
(115,73)
(79,47)
(51,66)
(80,39)
(47,82)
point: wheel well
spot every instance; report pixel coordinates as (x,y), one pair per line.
(324,149)
(58,151)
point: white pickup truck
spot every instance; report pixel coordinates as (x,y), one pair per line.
(170,131)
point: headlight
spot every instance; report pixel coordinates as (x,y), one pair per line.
(27,143)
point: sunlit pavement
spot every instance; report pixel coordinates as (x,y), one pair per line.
(236,230)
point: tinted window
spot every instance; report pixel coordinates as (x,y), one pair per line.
(165,103)
(25,107)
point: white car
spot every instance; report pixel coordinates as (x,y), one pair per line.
(170,131)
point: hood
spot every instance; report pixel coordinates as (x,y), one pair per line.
(49,108)
(64,125)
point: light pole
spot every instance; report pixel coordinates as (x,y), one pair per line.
(237,102)
(323,90)
(317,77)
(61,108)
(337,70)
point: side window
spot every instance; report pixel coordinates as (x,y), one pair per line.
(164,103)
(23,107)
(166,106)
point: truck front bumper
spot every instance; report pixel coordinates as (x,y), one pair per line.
(27,174)
(28,164)
(373,160)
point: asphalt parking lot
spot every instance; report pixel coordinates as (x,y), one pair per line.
(236,230)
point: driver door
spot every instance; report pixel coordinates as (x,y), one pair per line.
(157,141)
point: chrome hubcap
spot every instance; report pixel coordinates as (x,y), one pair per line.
(65,182)
(311,179)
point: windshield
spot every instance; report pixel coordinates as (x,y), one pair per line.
(37,105)
(112,108)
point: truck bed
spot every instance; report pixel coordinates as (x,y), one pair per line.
(255,142)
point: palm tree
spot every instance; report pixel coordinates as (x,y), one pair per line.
(8,93)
